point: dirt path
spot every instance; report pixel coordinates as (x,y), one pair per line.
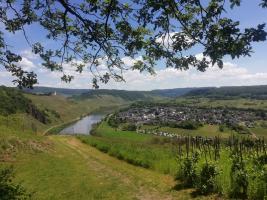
(142,183)
(72,170)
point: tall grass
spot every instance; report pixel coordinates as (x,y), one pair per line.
(147,151)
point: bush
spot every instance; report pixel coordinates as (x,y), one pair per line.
(258,184)
(239,179)
(191,125)
(258,179)
(221,128)
(9,190)
(239,128)
(262,160)
(206,182)
(114,121)
(188,171)
(129,127)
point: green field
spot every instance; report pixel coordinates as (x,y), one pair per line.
(230,103)
(147,151)
(205,131)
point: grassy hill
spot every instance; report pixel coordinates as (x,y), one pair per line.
(23,117)
(12,101)
(122,94)
(60,91)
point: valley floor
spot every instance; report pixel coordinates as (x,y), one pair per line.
(73,170)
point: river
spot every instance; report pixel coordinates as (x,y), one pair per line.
(82,126)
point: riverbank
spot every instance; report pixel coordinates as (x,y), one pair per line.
(57,128)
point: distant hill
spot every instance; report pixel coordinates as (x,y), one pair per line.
(256,92)
(60,91)
(123,94)
(176,92)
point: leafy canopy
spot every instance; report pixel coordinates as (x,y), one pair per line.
(93,32)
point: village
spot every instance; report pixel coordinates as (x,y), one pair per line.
(174,114)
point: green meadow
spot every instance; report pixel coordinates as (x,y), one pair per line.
(147,151)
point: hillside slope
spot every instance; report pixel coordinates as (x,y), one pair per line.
(12,101)
(81,172)
(60,91)
(70,108)
(172,93)
(122,94)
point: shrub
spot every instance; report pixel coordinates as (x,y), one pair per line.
(239,179)
(129,127)
(258,184)
(241,129)
(206,182)
(188,171)
(191,125)
(9,190)
(262,160)
(258,179)
(221,128)
(187,124)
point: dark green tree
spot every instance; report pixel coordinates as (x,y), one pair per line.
(90,32)
(9,190)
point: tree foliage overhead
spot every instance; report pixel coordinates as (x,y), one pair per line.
(92,32)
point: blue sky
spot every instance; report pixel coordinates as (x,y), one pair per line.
(244,71)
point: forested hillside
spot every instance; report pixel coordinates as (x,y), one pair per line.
(60,91)
(176,92)
(12,101)
(257,92)
(123,94)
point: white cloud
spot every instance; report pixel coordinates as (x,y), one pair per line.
(200,56)
(26,64)
(231,74)
(128,61)
(27,53)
